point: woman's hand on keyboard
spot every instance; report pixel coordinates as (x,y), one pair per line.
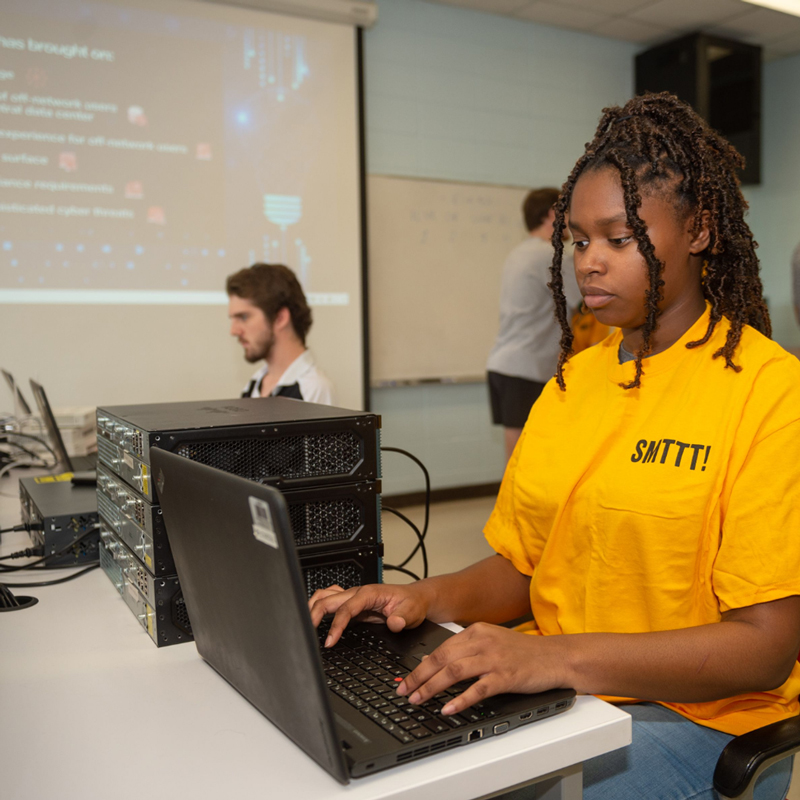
(398,606)
(496,658)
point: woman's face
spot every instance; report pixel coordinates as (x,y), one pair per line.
(612,273)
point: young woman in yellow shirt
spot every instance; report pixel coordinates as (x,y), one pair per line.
(650,515)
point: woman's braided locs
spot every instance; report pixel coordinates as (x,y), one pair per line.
(658,144)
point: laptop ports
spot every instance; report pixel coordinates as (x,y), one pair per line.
(526,715)
(475,735)
(501,727)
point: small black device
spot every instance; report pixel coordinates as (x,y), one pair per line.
(244,591)
(60,516)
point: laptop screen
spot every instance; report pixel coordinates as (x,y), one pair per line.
(53,433)
(18,398)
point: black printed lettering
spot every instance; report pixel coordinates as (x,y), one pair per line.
(652,452)
(637,456)
(682,446)
(697,448)
(647,451)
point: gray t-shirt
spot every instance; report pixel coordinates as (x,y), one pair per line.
(527,344)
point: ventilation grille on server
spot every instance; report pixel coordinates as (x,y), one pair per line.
(106,451)
(107,509)
(305,456)
(344,575)
(325,521)
(180,617)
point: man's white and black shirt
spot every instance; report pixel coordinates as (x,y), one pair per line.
(303,380)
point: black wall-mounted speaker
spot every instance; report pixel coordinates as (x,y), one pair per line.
(720,79)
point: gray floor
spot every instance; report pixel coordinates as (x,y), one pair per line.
(454,541)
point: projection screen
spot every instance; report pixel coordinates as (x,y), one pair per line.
(148,150)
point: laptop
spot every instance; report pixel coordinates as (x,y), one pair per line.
(20,404)
(76,464)
(245,595)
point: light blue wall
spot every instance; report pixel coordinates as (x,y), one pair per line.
(775,204)
(459,95)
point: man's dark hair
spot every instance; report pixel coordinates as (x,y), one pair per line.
(272,287)
(658,143)
(536,206)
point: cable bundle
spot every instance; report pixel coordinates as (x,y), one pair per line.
(420,546)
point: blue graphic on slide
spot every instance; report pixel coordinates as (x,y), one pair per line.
(280,59)
(283,209)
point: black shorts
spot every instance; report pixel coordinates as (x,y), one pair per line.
(511,399)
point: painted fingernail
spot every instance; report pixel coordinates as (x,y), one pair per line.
(448,709)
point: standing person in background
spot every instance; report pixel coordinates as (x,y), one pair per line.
(525,353)
(270,317)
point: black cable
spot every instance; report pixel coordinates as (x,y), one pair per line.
(25,450)
(28,552)
(58,580)
(35,439)
(12,568)
(7,599)
(22,527)
(420,544)
(404,571)
(427,500)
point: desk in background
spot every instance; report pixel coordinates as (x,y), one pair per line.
(90,708)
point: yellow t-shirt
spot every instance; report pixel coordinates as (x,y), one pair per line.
(658,508)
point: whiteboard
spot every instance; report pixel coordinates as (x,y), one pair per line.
(436,253)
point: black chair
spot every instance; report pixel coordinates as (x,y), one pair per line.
(748,755)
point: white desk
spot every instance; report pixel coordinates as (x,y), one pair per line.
(91,708)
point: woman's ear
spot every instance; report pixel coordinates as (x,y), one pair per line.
(702,237)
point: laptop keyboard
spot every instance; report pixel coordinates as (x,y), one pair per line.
(365,673)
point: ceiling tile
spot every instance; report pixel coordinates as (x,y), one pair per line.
(607,6)
(689,14)
(631,30)
(772,53)
(489,6)
(561,16)
(653,21)
(780,48)
(761,25)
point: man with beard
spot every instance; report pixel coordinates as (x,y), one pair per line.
(270,317)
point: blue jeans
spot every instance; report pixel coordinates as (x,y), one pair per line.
(670,758)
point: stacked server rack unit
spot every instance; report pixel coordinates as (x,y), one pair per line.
(325,461)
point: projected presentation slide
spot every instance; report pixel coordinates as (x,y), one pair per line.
(148,150)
